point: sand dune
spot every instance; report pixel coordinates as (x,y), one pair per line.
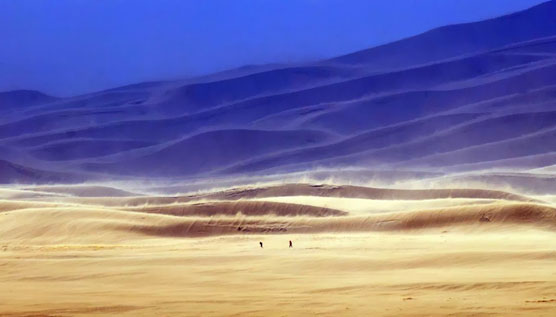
(357,192)
(268,209)
(531,144)
(544,217)
(395,145)
(74,224)
(528,183)
(15,173)
(379,106)
(49,120)
(247,208)
(355,116)
(104,100)
(260,209)
(204,95)
(11,100)
(374,139)
(201,256)
(82,148)
(459,39)
(9,205)
(83,190)
(365,207)
(199,153)
(318,190)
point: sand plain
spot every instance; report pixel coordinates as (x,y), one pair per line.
(72,258)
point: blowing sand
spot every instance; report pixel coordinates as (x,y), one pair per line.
(70,259)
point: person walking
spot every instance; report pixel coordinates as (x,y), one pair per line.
(291,244)
(261,243)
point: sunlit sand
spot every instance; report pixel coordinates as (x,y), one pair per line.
(196,255)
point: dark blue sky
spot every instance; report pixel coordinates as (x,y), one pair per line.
(68,47)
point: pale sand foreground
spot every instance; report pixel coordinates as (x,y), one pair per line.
(358,256)
(466,273)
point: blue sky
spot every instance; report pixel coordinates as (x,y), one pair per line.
(69,47)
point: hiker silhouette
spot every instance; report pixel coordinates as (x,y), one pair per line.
(261,243)
(291,244)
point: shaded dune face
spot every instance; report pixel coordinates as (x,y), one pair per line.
(11,100)
(360,192)
(15,173)
(198,153)
(201,96)
(247,208)
(515,214)
(456,97)
(287,190)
